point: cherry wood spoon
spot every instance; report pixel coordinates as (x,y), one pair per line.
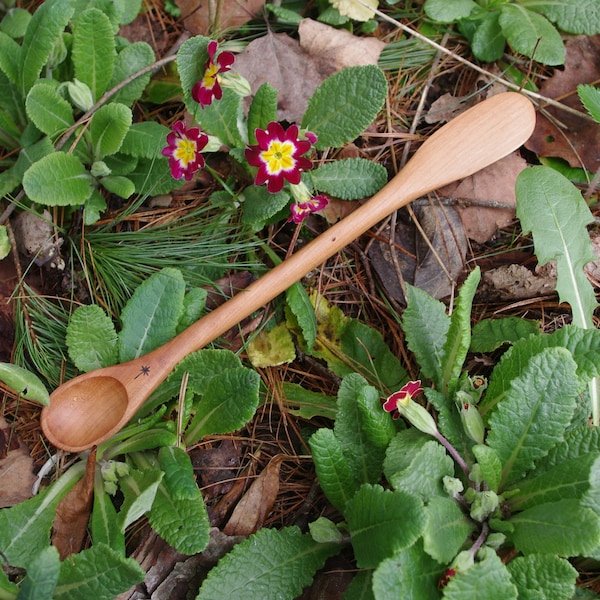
(92,407)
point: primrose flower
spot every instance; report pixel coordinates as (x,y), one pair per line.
(403,396)
(401,403)
(183,150)
(301,210)
(278,156)
(208,87)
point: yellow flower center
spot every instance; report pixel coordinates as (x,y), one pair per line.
(210,76)
(185,152)
(278,157)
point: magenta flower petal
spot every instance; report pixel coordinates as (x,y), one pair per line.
(183,150)
(301,210)
(208,88)
(404,395)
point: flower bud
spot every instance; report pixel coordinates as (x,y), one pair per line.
(58,53)
(472,422)
(236,82)
(81,95)
(452,486)
(485,504)
(419,417)
(100,169)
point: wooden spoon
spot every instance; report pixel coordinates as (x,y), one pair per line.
(92,407)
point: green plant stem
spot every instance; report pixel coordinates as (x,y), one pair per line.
(453,453)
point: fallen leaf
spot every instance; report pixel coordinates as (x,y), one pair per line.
(202,18)
(252,510)
(216,466)
(447,107)
(515,282)
(73,513)
(493,186)
(431,262)
(579,140)
(16,468)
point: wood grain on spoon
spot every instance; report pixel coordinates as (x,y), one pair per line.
(92,407)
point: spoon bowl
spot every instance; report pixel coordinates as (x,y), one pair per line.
(92,407)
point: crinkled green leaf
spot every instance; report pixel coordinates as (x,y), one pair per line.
(42,576)
(93,50)
(194,303)
(151,315)
(179,473)
(70,184)
(109,125)
(99,572)
(349,178)
(543,576)
(535,412)
(260,206)
(564,527)
(531,34)
(48,110)
(191,60)
(104,524)
(335,476)
(591,497)
(447,529)
(46,26)
(448,11)
(382,522)
(24,382)
(120,186)
(490,334)
(269,564)
(15,22)
(377,423)
(262,111)
(299,304)
(222,118)
(425,325)
(91,338)
(345,104)
(130,60)
(139,489)
(488,41)
(145,139)
(580,17)
(10,53)
(490,465)
(590,98)
(488,578)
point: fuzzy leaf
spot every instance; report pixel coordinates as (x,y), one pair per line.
(269,564)
(590,98)
(377,424)
(46,26)
(10,53)
(260,206)
(448,11)
(151,315)
(349,178)
(130,60)
(179,473)
(100,573)
(581,17)
(531,34)
(564,527)
(191,59)
(194,303)
(139,489)
(15,22)
(108,128)
(48,110)
(345,104)
(120,186)
(105,521)
(490,465)
(543,576)
(552,208)
(535,412)
(221,118)
(91,339)
(262,111)
(334,473)
(93,50)
(42,576)
(299,304)
(70,184)
(490,334)
(446,530)
(145,140)
(382,523)
(488,41)
(425,325)
(24,382)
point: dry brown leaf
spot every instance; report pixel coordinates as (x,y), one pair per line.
(447,107)
(203,18)
(16,468)
(333,49)
(493,186)
(73,513)
(579,142)
(252,510)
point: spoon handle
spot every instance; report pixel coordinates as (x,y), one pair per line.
(477,138)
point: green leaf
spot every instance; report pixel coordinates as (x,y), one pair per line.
(349,178)
(262,111)
(458,338)
(259,205)
(531,34)
(145,139)
(150,317)
(48,110)
(191,60)
(345,104)
(335,476)
(543,576)
(269,564)
(93,50)
(425,325)
(490,465)
(490,334)
(299,304)
(139,490)
(121,186)
(46,26)
(105,521)
(179,473)
(131,60)
(15,22)
(108,128)
(229,402)
(42,575)
(552,208)
(10,53)
(411,573)
(221,118)
(488,578)
(70,184)
(382,523)
(308,404)
(271,347)
(581,17)
(488,40)
(91,339)
(194,303)
(377,424)
(100,573)
(535,412)
(448,11)
(447,529)
(564,527)
(590,98)
(24,382)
